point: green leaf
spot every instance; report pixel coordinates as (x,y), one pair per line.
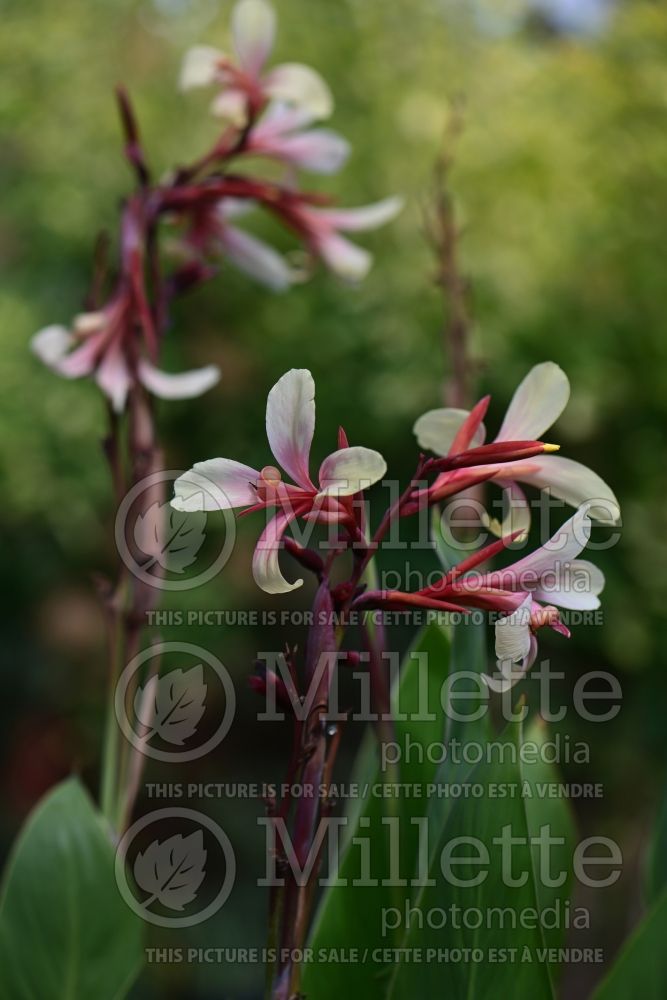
(350,915)
(543,808)
(641,969)
(656,872)
(65,931)
(466,927)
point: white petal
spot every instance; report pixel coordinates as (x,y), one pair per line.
(265,564)
(350,470)
(51,344)
(301,85)
(537,403)
(576,588)
(290,423)
(436,430)
(279,119)
(217,484)
(319,150)
(365,217)
(113,376)
(253,30)
(200,66)
(344,258)
(182,385)
(231,105)
(257,259)
(235,208)
(561,550)
(513,634)
(570,481)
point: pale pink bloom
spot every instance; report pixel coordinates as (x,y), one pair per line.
(281,134)
(250,254)
(221,483)
(323,228)
(242,76)
(96,345)
(536,405)
(528,593)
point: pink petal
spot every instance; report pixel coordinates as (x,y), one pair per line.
(553,557)
(265,564)
(181,385)
(344,258)
(570,481)
(253,30)
(318,150)
(113,375)
(256,259)
(290,423)
(365,217)
(537,403)
(217,484)
(350,470)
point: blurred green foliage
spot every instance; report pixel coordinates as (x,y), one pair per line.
(560,186)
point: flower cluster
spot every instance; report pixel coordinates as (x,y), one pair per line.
(526,594)
(267,113)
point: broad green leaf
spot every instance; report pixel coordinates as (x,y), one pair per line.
(473,938)
(641,968)
(65,931)
(350,915)
(546,807)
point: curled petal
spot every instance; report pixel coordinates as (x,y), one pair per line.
(509,673)
(257,259)
(290,423)
(362,218)
(253,30)
(350,470)
(297,84)
(217,484)
(570,481)
(200,67)
(182,385)
(537,403)
(51,344)
(344,258)
(553,558)
(578,589)
(113,375)
(513,633)
(436,430)
(265,564)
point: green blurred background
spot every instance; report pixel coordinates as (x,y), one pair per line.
(560,183)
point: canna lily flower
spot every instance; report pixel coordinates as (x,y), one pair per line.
(536,405)
(215,232)
(528,593)
(281,134)
(246,87)
(322,228)
(223,484)
(318,227)
(98,345)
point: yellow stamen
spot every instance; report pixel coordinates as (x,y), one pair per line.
(552,447)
